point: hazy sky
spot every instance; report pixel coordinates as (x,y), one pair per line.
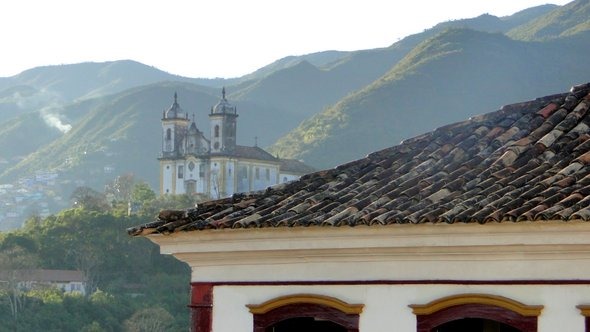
(215,38)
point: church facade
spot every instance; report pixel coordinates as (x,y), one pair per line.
(213,164)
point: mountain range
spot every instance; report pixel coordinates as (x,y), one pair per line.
(325,108)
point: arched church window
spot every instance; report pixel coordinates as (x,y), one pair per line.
(216,133)
(306,312)
(476,312)
(168,133)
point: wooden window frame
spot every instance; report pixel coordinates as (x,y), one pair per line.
(497,308)
(306,305)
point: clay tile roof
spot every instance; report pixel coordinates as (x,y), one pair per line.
(525,162)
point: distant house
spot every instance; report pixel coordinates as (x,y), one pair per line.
(69,281)
(477,226)
(215,165)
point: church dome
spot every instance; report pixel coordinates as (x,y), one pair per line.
(223,106)
(174,111)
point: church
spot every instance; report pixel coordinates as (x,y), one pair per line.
(216,166)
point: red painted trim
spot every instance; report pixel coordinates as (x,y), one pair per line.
(201,307)
(399,282)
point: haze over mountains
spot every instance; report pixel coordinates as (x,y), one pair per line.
(325,108)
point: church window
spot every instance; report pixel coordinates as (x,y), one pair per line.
(267,174)
(472,312)
(229,171)
(168,134)
(191,166)
(306,312)
(180,172)
(257,173)
(216,133)
(243,174)
(202,170)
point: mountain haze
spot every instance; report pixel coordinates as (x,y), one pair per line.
(454,75)
(94,121)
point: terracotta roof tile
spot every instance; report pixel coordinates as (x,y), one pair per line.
(526,162)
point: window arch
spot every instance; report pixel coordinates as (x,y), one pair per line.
(271,313)
(488,307)
(585,311)
(216,131)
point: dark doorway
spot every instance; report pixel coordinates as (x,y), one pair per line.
(305,324)
(474,325)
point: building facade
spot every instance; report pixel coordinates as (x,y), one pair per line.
(212,164)
(479,226)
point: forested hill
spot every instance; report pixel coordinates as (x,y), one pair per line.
(127,278)
(449,77)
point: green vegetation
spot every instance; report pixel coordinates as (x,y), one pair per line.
(568,20)
(449,77)
(130,286)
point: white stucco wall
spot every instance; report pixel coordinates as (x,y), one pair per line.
(386,306)
(387,268)
(167,171)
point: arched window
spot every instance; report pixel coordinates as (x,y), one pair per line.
(468,311)
(216,131)
(305,312)
(168,134)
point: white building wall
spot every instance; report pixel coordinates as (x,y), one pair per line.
(167,174)
(230,171)
(386,306)
(215,179)
(216,141)
(263,176)
(202,172)
(180,189)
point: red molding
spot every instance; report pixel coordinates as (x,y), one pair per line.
(201,307)
(398,282)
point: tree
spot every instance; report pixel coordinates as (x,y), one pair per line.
(90,199)
(149,320)
(121,187)
(14,261)
(142,193)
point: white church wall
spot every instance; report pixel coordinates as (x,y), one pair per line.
(386,306)
(180,178)
(167,174)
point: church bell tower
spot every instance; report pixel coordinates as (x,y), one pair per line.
(175,125)
(222,121)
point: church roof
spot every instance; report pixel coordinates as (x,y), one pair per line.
(223,106)
(174,111)
(253,152)
(526,162)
